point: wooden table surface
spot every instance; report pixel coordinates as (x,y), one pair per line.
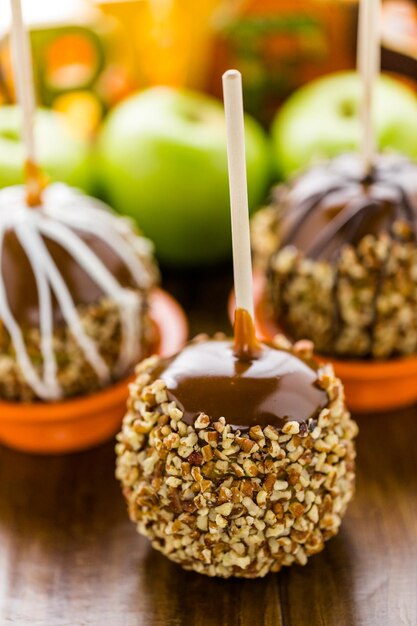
(70,557)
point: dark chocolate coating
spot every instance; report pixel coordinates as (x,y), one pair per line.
(20,282)
(276,387)
(338,203)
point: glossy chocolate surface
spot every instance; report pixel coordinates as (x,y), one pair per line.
(276,387)
(21,286)
(337,203)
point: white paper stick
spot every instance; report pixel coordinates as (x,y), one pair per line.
(242,262)
(23,76)
(368,64)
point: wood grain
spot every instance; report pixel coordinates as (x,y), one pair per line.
(70,557)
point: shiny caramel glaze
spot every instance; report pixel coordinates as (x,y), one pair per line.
(276,387)
(246,344)
(338,202)
(35,183)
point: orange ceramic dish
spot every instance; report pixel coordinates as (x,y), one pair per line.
(369,385)
(67,426)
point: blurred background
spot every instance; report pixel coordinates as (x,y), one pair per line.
(90,56)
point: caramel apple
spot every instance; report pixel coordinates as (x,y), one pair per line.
(339,248)
(237,466)
(74,286)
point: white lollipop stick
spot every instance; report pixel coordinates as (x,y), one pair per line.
(242,262)
(368,63)
(23,75)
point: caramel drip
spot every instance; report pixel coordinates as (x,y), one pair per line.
(276,387)
(246,345)
(35,184)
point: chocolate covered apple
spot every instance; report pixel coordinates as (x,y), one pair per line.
(74,287)
(74,278)
(339,243)
(339,247)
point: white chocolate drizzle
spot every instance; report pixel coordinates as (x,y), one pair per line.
(64,212)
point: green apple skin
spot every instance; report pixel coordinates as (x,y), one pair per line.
(163,161)
(322,119)
(62,156)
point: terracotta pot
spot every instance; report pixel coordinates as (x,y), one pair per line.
(75,424)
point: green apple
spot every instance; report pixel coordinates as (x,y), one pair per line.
(322,119)
(62,155)
(162,160)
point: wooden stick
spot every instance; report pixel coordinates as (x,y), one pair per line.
(242,262)
(368,64)
(23,74)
